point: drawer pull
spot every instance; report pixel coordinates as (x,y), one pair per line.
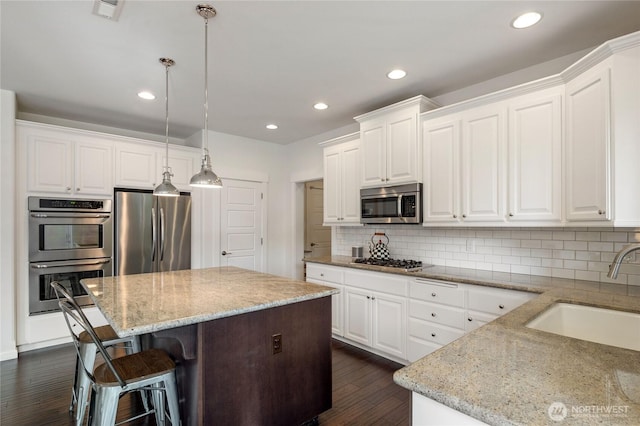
(469,319)
(433,334)
(433,314)
(501,306)
(321,274)
(433,295)
(368,297)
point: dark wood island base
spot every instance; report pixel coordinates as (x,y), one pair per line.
(267,367)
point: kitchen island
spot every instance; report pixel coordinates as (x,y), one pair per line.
(250,348)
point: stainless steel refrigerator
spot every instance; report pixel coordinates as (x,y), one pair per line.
(151,234)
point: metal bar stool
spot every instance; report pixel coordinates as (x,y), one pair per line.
(87,356)
(151,370)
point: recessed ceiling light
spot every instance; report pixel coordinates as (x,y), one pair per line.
(147,95)
(396,74)
(271,126)
(526,20)
(321,106)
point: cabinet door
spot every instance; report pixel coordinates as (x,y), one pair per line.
(373,157)
(50,164)
(587,147)
(402,149)
(388,321)
(337,306)
(182,167)
(441,170)
(535,152)
(332,185)
(136,166)
(94,168)
(357,321)
(350,200)
(483,165)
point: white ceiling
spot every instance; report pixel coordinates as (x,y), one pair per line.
(270,61)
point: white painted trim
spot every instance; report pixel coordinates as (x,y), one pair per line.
(340,139)
(420,101)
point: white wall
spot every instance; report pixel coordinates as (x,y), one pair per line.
(574,253)
(7,220)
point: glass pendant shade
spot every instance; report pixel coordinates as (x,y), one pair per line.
(206,178)
(166,188)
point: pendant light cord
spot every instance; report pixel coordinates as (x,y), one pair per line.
(206,87)
(166,110)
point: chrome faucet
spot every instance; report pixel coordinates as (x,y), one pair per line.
(617,261)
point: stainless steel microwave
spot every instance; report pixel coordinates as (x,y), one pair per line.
(391,204)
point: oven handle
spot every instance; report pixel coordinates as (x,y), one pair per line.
(71,263)
(70,216)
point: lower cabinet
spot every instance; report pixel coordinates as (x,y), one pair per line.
(407,318)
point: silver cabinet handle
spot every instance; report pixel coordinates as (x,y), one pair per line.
(455,216)
(433,314)
(433,295)
(224,253)
(501,306)
(601,212)
(464,216)
(433,334)
(510,214)
(469,319)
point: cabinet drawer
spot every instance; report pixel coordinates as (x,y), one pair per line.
(477,319)
(324,273)
(377,281)
(496,301)
(441,314)
(433,291)
(418,348)
(433,332)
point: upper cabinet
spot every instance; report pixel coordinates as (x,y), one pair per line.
(141,166)
(390,143)
(588,145)
(342,181)
(535,157)
(66,163)
(78,162)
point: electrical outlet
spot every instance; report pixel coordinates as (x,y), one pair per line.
(276,341)
(471,245)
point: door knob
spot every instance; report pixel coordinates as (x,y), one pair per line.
(224,253)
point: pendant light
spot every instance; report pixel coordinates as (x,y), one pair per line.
(206,178)
(166,188)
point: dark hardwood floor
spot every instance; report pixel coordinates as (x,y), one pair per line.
(36,390)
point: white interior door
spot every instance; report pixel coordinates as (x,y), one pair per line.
(241,224)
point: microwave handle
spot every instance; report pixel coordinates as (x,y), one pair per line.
(400,205)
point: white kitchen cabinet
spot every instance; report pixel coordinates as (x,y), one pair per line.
(465,166)
(65,162)
(331,277)
(342,181)
(441,187)
(484,304)
(588,130)
(390,143)
(436,316)
(375,311)
(535,157)
(141,166)
(483,164)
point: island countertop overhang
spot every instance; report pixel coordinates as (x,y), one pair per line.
(145,303)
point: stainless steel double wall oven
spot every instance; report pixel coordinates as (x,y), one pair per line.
(69,239)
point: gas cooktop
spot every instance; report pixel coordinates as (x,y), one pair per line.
(401,264)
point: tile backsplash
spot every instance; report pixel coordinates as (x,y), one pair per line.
(576,253)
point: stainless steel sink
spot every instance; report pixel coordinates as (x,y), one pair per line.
(599,325)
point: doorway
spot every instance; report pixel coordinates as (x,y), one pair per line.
(317,238)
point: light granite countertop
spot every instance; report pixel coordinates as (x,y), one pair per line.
(144,303)
(505,373)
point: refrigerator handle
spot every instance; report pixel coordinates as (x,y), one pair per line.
(154,234)
(162,233)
